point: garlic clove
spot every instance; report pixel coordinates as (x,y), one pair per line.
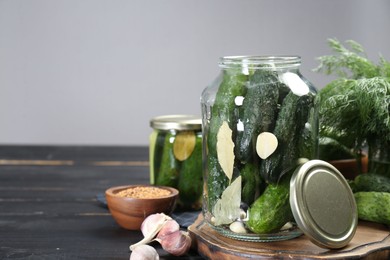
(144,252)
(238,227)
(266,144)
(286,226)
(177,243)
(169,227)
(149,224)
(150,228)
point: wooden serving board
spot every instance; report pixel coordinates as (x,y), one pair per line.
(371,241)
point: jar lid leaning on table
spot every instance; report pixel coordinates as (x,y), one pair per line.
(175,155)
(323,204)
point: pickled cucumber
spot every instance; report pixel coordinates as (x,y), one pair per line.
(232,85)
(156,139)
(252,184)
(271,211)
(289,130)
(191,179)
(168,173)
(259,112)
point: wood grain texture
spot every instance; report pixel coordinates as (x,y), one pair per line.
(48,207)
(371,241)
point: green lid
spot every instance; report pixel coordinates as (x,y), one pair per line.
(177,122)
(323,204)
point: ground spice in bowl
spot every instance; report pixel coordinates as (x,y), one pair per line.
(131,204)
(143,192)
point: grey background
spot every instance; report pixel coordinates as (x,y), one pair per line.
(94,72)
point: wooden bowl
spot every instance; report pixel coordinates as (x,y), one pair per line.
(130,212)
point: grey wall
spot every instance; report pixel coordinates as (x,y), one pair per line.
(95,72)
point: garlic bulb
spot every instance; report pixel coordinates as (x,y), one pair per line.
(177,243)
(144,252)
(169,227)
(166,231)
(150,228)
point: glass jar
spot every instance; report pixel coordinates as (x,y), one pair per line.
(259,124)
(175,157)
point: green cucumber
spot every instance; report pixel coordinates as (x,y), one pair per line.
(157,139)
(372,182)
(223,110)
(251,183)
(307,127)
(216,181)
(152,148)
(168,174)
(259,112)
(289,130)
(271,211)
(191,179)
(373,206)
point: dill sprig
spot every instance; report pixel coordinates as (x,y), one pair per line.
(347,62)
(354,108)
(360,109)
(384,67)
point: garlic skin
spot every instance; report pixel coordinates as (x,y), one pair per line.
(150,228)
(169,227)
(150,222)
(162,228)
(177,243)
(144,252)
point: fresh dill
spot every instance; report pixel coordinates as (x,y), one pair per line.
(354,108)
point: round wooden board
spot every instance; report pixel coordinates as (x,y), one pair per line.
(371,241)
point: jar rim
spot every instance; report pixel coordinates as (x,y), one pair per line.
(276,61)
(176,122)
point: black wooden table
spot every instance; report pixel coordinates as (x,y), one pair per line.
(48,205)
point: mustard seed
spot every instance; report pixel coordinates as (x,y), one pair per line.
(143,192)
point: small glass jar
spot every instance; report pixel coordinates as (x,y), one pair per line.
(175,157)
(259,124)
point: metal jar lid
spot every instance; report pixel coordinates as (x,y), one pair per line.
(176,122)
(323,204)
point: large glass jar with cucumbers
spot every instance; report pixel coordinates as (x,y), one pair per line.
(259,124)
(175,157)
